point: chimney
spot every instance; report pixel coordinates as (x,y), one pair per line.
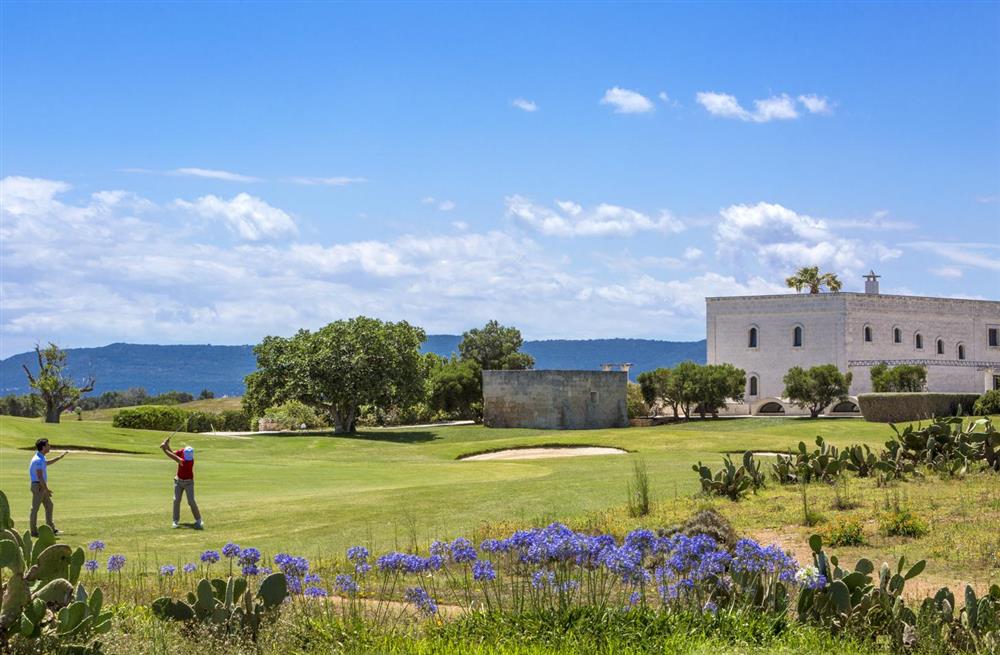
(871,283)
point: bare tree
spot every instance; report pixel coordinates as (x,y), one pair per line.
(56,389)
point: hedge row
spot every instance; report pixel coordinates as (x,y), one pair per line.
(897,407)
(167,419)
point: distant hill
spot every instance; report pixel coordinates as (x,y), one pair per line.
(222,368)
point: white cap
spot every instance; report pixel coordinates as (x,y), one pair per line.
(189,453)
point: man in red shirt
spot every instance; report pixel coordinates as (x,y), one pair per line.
(184,482)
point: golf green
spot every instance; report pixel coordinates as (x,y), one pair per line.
(317,494)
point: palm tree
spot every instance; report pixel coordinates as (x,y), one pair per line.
(809,276)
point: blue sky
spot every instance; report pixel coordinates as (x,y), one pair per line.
(212,173)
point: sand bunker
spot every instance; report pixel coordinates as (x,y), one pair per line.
(542,453)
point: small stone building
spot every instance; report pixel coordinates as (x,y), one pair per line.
(555,400)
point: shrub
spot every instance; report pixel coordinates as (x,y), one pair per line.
(897,407)
(151,417)
(638,489)
(233,420)
(901,522)
(988,403)
(707,522)
(293,415)
(202,422)
(637,407)
(845,532)
(903,378)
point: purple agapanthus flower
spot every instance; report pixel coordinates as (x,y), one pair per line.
(210,557)
(116,563)
(190,567)
(97,545)
(231,550)
(168,570)
(315,592)
(345,584)
(91,565)
(423,601)
(482,571)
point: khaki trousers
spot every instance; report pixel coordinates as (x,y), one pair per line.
(182,487)
(39,497)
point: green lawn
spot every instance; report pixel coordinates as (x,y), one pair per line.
(317,495)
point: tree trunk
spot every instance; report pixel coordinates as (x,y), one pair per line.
(344,420)
(676,416)
(814,412)
(51,412)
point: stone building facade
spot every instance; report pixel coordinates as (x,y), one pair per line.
(957,340)
(555,400)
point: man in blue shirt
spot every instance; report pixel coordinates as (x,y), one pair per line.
(40,492)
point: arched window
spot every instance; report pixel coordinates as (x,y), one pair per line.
(868,334)
(961,351)
(797,337)
(940,346)
(918,341)
(753,386)
(752,337)
(897,335)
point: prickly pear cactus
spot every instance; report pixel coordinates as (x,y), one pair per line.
(226,605)
(39,599)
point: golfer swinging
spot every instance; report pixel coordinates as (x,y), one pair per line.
(40,492)
(184,482)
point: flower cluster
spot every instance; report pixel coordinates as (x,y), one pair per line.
(97,545)
(231,550)
(482,571)
(750,557)
(248,559)
(168,570)
(190,567)
(91,565)
(423,601)
(210,557)
(116,563)
(346,584)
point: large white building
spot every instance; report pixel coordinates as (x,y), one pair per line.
(957,340)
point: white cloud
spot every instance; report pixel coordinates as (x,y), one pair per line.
(951,272)
(523,104)
(986,200)
(248,216)
(815,104)
(782,238)
(442,205)
(722,104)
(326,181)
(966,254)
(214,174)
(692,254)
(627,102)
(602,220)
(662,95)
(460,225)
(775,108)
(879,220)
(28,195)
(685,297)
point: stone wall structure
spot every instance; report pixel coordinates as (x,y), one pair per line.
(855,331)
(555,400)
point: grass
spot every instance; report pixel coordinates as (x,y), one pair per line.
(316,495)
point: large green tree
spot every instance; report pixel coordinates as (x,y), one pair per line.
(905,377)
(683,385)
(716,384)
(809,277)
(816,387)
(660,385)
(338,368)
(58,391)
(455,388)
(495,347)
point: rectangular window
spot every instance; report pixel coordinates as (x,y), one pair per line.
(993,337)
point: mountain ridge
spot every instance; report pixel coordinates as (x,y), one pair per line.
(159,368)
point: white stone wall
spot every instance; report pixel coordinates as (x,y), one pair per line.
(833,326)
(821,317)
